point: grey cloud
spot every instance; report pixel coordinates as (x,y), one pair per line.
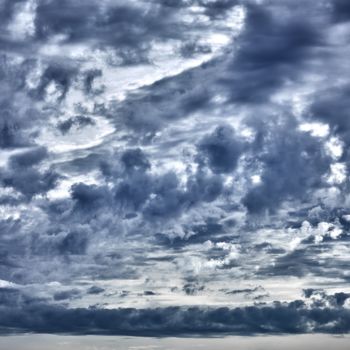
(283,150)
(279,318)
(128,29)
(341,10)
(149,293)
(120,209)
(95,290)
(8,9)
(272,49)
(170,201)
(331,106)
(89,197)
(301,263)
(320,297)
(67,295)
(218,8)
(17,113)
(89,78)
(168,100)
(29,181)
(200,233)
(23,175)
(192,48)
(158,197)
(60,74)
(133,192)
(221,149)
(192,288)
(75,242)
(79,121)
(135,159)
(246,290)
(28,158)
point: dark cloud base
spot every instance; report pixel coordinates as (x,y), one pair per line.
(325,314)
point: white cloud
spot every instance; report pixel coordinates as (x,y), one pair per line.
(22,25)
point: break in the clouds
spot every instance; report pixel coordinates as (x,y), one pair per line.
(174,167)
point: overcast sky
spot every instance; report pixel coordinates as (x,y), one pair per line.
(54,342)
(174,167)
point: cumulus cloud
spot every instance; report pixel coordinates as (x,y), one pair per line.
(221,150)
(285,318)
(283,150)
(152,152)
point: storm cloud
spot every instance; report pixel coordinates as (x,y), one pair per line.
(174,168)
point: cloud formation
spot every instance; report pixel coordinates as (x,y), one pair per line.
(153,152)
(293,318)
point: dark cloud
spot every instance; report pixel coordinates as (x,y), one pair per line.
(210,230)
(16,297)
(167,100)
(157,197)
(341,10)
(95,290)
(192,288)
(8,9)
(135,159)
(74,242)
(60,74)
(89,79)
(67,295)
(170,200)
(8,135)
(127,28)
(297,263)
(300,262)
(320,297)
(79,121)
(89,197)
(133,192)
(246,291)
(28,158)
(284,150)
(149,293)
(291,318)
(17,114)
(192,48)
(221,149)
(159,175)
(272,50)
(23,175)
(9,296)
(218,8)
(330,106)
(30,182)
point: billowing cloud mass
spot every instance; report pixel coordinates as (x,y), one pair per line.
(175,167)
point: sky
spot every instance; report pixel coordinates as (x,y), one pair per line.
(175,168)
(54,342)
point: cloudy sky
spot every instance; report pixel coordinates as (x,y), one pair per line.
(174,167)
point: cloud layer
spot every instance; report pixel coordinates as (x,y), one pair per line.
(174,166)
